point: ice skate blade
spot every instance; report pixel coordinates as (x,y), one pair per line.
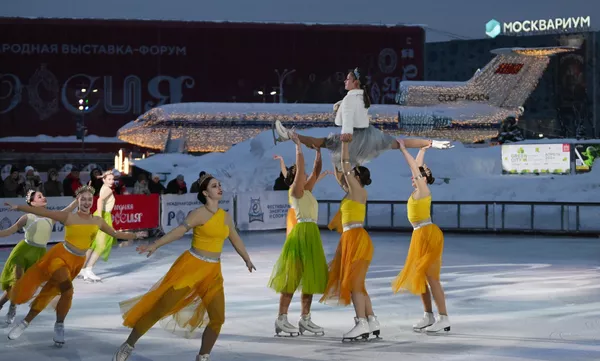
(361,338)
(58,344)
(291,334)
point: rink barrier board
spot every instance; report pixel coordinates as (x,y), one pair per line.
(266,211)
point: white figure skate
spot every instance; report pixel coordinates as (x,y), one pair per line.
(18,330)
(442,323)
(374,326)
(441,144)
(282,325)
(305,324)
(360,331)
(280,133)
(426,321)
(123,352)
(90,276)
(203,358)
(59,334)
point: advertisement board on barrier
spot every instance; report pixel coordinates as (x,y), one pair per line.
(585,155)
(8,217)
(135,211)
(262,210)
(176,207)
(536,158)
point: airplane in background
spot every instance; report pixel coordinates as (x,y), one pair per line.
(495,92)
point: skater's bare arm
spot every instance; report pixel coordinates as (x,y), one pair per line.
(349,176)
(420,180)
(130,236)
(323,175)
(236,240)
(281,165)
(417,143)
(421,156)
(298,185)
(105,192)
(59,216)
(20,223)
(315,176)
(70,207)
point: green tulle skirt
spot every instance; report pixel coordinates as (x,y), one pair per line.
(103,243)
(302,265)
(24,256)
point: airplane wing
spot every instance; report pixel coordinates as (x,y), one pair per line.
(471,115)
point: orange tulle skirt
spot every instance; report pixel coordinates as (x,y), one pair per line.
(290,220)
(202,281)
(348,269)
(424,258)
(40,273)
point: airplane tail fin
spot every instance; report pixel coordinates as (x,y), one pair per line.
(512,75)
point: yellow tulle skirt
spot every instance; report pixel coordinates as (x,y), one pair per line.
(348,269)
(40,273)
(424,258)
(202,281)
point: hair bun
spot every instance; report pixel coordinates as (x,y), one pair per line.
(432,180)
(368,181)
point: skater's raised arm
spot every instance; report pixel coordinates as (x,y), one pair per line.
(281,165)
(315,176)
(421,156)
(349,173)
(20,223)
(59,216)
(323,175)
(421,174)
(237,243)
(192,220)
(298,184)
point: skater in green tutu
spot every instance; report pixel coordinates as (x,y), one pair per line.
(38,231)
(302,265)
(103,243)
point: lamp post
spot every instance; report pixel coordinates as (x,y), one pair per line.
(281,79)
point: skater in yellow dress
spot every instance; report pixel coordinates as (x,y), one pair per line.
(53,274)
(192,289)
(38,231)
(348,269)
(421,272)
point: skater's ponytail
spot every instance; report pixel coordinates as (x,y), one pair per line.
(362,80)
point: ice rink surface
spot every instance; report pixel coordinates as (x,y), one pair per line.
(509,298)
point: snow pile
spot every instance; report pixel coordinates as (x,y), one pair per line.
(461,173)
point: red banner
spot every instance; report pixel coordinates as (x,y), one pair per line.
(121,69)
(137,211)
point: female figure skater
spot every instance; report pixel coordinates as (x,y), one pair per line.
(193,286)
(291,215)
(368,142)
(348,269)
(26,253)
(424,259)
(302,260)
(102,245)
(55,271)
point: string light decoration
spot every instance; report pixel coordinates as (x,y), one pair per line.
(467,112)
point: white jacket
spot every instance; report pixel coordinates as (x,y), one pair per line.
(352,112)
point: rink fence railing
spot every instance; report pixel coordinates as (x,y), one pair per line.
(567,217)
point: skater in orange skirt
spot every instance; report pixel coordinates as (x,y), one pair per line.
(55,271)
(193,287)
(421,272)
(348,269)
